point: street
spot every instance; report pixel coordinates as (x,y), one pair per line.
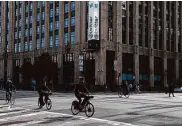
(147,109)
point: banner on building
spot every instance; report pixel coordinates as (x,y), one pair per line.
(93,20)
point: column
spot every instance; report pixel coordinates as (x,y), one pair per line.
(104,20)
(34,22)
(119,40)
(78,40)
(46,31)
(150,43)
(83,21)
(176,28)
(164,43)
(100,56)
(61,41)
(127,22)
(3,28)
(143,22)
(136,40)
(11,39)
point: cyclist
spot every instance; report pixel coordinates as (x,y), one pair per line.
(80,92)
(43,91)
(9,87)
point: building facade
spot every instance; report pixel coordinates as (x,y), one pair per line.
(140,40)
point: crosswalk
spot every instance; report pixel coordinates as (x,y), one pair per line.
(18,116)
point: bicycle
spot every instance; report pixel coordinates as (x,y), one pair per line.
(10,97)
(88,107)
(122,92)
(47,101)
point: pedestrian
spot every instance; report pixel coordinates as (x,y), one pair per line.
(171,89)
(166,88)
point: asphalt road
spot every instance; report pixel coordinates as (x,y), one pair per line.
(147,109)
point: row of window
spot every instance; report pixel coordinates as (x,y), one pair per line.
(66,38)
(28,46)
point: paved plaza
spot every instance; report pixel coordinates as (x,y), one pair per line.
(146,109)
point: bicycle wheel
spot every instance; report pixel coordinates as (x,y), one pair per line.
(89,109)
(12,100)
(48,104)
(120,92)
(39,103)
(127,95)
(7,98)
(74,108)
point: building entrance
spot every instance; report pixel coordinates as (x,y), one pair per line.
(68,71)
(89,69)
(110,73)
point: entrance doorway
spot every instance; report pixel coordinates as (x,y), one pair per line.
(68,71)
(110,73)
(89,69)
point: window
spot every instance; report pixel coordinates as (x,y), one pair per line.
(26,20)
(26,32)
(16,11)
(42,28)
(50,26)
(57,25)
(20,11)
(65,38)
(31,7)
(38,17)
(26,8)
(66,8)
(19,47)
(57,11)
(26,46)
(30,45)
(16,35)
(20,22)
(72,21)
(42,43)
(16,47)
(51,13)
(43,3)
(66,22)
(72,37)
(38,29)
(19,34)
(30,19)
(51,42)
(57,41)
(38,4)
(38,43)
(30,31)
(43,15)
(72,5)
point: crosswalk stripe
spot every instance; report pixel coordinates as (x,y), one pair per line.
(27,123)
(53,114)
(21,116)
(94,119)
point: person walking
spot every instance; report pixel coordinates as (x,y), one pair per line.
(166,88)
(171,89)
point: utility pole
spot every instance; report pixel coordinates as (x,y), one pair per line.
(5,46)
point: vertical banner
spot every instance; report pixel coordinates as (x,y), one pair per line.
(93,20)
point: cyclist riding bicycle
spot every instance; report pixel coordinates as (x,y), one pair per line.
(9,87)
(43,92)
(81,92)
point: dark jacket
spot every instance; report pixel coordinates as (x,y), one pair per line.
(43,88)
(80,87)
